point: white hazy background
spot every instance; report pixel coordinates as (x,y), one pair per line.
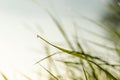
(19,21)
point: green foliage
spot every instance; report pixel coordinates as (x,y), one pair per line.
(86,64)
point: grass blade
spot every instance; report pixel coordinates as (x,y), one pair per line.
(4,76)
(79,55)
(59,26)
(84,72)
(47,57)
(104,27)
(49,72)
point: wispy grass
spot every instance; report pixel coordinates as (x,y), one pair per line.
(79,55)
(80,65)
(91,66)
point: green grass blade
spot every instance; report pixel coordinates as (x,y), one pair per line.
(49,72)
(69,62)
(96,34)
(74,53)
(107,73)
(79,55)
(46,57)
(84,72)
(64,50)
(101,45)
(4,76)
(25,76)
(104,27)
(93,71)
(59,26)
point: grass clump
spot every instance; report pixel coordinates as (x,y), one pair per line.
(83,65)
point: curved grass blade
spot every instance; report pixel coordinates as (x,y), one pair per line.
(74,53)
(64,50)
(79,55)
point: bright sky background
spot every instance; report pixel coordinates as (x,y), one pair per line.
(18,21)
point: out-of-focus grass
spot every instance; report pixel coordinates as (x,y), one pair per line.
(79,64)
(89,66)
(3,76)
